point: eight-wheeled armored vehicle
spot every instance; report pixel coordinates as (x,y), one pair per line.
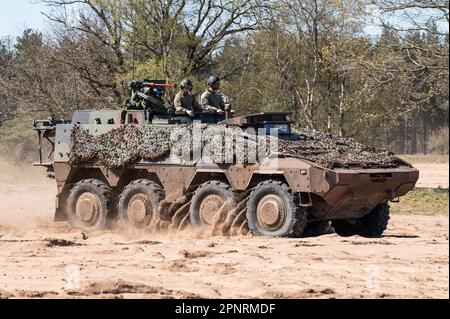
(267,199)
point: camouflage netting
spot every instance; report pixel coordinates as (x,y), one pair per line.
(120,146)
(130,143)
(338,152)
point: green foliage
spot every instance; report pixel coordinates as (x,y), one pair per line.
(438,141)
(307,57)
(27,44)
(151,67)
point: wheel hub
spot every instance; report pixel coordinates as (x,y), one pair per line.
(139,209)
(209,207)
(87,207)
(271,212)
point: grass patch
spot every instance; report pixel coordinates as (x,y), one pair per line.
(423,201)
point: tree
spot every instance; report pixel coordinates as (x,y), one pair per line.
(420,74)
(6,69)
(308,57)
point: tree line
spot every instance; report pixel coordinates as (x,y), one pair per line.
(314,58)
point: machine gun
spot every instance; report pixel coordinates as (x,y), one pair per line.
(148,95)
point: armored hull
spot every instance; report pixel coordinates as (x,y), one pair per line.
(130,176)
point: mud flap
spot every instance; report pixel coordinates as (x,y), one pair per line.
(60,208)
(305,199)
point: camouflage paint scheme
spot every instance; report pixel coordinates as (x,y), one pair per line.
(327,193)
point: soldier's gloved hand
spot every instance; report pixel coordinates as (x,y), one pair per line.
(228,108)
(190,113)
(219,111)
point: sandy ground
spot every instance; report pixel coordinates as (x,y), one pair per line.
(39,258)
(432,175)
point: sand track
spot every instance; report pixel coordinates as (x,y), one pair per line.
(42,259)
(55,260)
(432,175)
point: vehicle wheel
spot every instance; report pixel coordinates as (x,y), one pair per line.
(375,223)
(138,204)
(273,210)
(207,200)
(371,225)
(346,228)
(314,229)
(89,203)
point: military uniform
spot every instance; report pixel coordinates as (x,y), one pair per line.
(212,101)
(186,102)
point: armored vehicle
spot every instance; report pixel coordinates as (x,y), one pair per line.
(314,178)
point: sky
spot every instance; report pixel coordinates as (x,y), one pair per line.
(17,15)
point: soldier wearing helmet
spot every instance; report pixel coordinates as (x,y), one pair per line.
(212,100)
(184,101)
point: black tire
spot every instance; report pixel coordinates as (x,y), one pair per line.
(372,225)
(314,229)
(292,220)
(375,223)
(346,228)
(221,190)
(92,200)
(145,195)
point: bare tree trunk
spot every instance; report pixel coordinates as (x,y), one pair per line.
(413,138)
(425,135)
(405,145)
(312,100)
(329,122)
(311,85)
(330,107)
(341,109)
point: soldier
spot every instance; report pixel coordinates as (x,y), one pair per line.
(212,100)
(184,101)
(227,102)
